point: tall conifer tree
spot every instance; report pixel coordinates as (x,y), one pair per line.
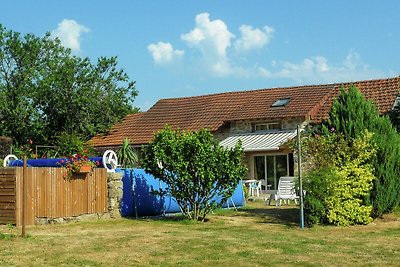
(350,115)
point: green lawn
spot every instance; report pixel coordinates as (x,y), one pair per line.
(255,236)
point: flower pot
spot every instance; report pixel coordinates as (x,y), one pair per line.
(85,169)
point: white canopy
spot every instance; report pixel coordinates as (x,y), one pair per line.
(265,141)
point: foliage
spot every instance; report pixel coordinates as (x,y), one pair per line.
(70,144)
(5,146)
(394,115)
(199,173)
(351,114)
(337,188)
(245,190)
(46,152)
(127,155)
(46,91)
(75,163)
(24,150)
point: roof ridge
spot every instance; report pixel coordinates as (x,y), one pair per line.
(308,103)
(334,84)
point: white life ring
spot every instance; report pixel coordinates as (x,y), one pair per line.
(110,160)
(8,159)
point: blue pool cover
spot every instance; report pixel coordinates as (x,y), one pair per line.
(137,186)
(56,162)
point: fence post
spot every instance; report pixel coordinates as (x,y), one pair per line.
(24,182)
(300,178)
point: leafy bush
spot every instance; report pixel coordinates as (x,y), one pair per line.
(351,115)
(336,189)
(314,210)
(200,174)
(71,144)
(24,150)
(344,202)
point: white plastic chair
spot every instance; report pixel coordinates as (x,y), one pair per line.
(286,191)
(255,188)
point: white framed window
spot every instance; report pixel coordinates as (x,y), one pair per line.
(267,126)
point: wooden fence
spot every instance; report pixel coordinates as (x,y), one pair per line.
(49,195)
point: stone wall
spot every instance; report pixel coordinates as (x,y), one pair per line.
(114,194)
(239,127)
(245,126)
(291,124)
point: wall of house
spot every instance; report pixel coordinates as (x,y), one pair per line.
(223,132)
(245,126)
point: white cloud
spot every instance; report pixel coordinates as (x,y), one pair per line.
(253,38)
(164,53)
(313,65)
(352,60)
(209,35)
(263,72)
(69,32)
(212,38)
(216,46)
(318,70)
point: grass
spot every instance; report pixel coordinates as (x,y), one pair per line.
(254,236)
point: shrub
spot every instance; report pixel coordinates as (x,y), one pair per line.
(314,210)
(351,115)
(336,189)
(199,173)
(127,155)
(344,202)
(71,144)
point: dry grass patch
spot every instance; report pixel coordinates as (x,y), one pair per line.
(255,236)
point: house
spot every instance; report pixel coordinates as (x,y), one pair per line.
(262,119)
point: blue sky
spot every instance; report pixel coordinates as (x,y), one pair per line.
(186,48)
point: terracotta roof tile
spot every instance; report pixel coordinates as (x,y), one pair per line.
(212,111)
(382,92)
(118,132)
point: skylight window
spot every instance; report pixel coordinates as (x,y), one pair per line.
(281,102)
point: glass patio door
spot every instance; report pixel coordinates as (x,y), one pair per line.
(269,168)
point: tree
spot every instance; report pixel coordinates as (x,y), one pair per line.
(46,91)
(336,188)
(199,173)
(351,115)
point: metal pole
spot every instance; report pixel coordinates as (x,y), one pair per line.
(24,182)
(299,173)
(133,179)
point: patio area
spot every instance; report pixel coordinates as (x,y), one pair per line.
(285,193)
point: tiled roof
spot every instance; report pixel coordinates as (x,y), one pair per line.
(382,92)
(212,111)
(118,132)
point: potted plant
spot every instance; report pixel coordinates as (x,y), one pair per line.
(78,164)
